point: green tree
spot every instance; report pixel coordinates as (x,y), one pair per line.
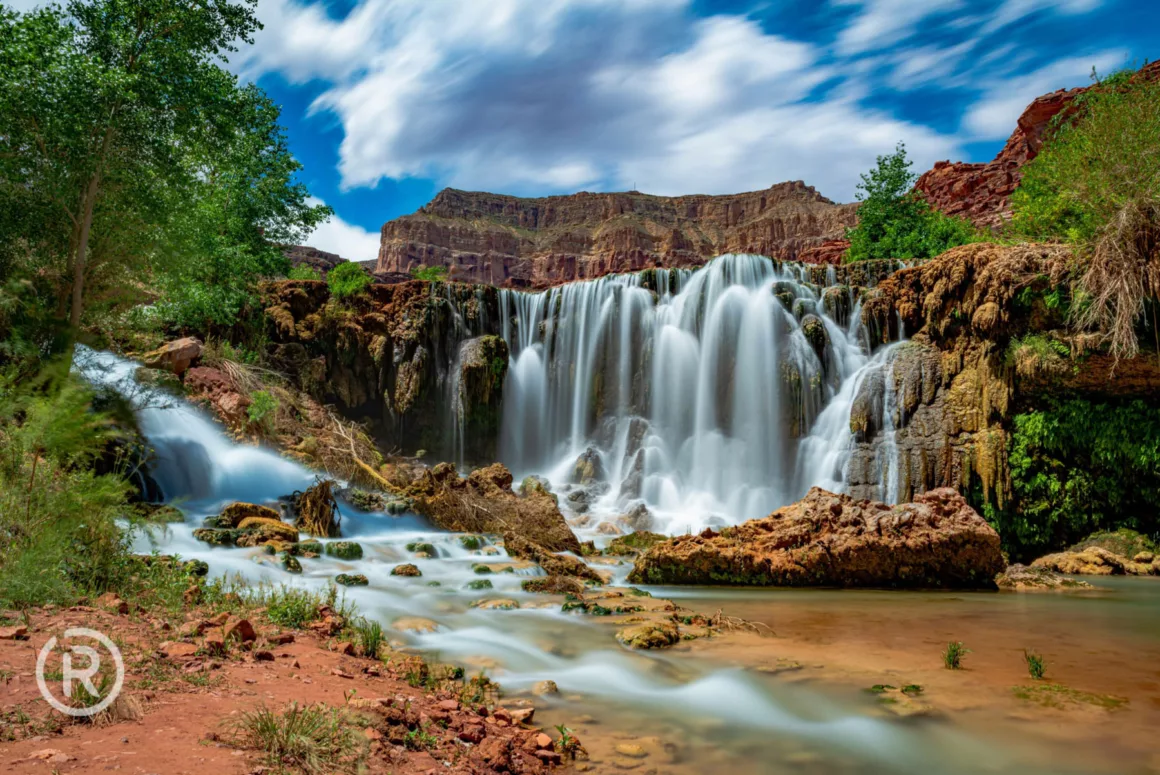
(896,222)
(122,135)
(347,280)
(1096,184)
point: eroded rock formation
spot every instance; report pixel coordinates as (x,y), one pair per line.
(508,241)
(835,540)
(982,192)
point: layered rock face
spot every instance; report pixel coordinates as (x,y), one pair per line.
(835,540)
(982,192)
(508,241)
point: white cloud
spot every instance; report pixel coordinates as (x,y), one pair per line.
(882,23)
(1012,11)
(547,96)
(995,114)
(346,239)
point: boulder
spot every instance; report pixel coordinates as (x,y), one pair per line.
(234,514)
(589,468)
(216,536)
(351,580)
(1093,561)
(176,356)
(483,502)
(269,529)
(552,564)
(834,540)
(1021,578)
(406,570)
(651,635)
(554,585)
(344,550)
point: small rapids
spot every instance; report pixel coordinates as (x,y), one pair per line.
(698,706)
(717,396)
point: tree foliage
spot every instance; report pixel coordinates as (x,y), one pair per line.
(346,280)
(896,222)
(1077,467)
(1096,184)
(132,163)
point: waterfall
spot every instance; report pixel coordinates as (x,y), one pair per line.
(711,396)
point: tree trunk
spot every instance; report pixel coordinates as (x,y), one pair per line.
(78,288)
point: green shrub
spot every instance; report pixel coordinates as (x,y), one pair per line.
(953,655)
(896,222)
(311,739)
(369,636)
(1035,664)
(347,280)
(1096,184)
(1076,467)
(303,272)
(431,274)
(262,407)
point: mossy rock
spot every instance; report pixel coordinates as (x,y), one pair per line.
(407,569)
(634,543)
(290,563)
(496,605)
(214,523)
(537,485)
(351,580)
(199,568)
(420,547)
(366,501)
(1124,542)
(233,514)
(344,550)
(553,585)
(481,569)
(651,635)
(309,547)
(479,584)
(216,536)
(270,529)
(471,542)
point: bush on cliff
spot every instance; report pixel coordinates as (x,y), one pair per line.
(1077,467)
(347,280)
(896,222)
(1096,184)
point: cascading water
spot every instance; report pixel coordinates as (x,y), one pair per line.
(717,397)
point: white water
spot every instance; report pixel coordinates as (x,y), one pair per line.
(705,402)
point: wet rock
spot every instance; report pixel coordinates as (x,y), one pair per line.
(480,584)
(269,530)
(351,580)
(215,536)
(608,529)
(1123,542)
(344,550)
(305,548)
(630,485)
(1144,558)
(814,331)
(552,564)
(554,585)
(406,570)
(589,468)
(233,514)
(290,563)
(834,540)
(1093,561)
(176,356)
(579,500)
(496,605)
(544,688)
(483,364)
(638,519)
(1021,578)
(537,485)
(650,635)
(633,543)
(422,548)
(415,624)
(484,502)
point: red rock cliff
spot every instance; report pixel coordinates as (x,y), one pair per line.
(504,240)
(982,192)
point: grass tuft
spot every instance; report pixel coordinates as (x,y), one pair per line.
(953,655)
(1036,665)
(313,739)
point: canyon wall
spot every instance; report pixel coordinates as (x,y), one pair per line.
(533,243)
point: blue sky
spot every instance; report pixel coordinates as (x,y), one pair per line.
(388,101)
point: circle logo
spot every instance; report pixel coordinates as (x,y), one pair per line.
(75,701)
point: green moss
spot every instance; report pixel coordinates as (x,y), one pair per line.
(479,584)
(419,547)
(351,580)
(344,550)
(471,542)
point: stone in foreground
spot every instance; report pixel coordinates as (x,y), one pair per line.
(836,541)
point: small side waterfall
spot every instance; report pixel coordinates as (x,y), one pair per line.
(712,396)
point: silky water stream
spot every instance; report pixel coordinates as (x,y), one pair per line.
(696,714)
